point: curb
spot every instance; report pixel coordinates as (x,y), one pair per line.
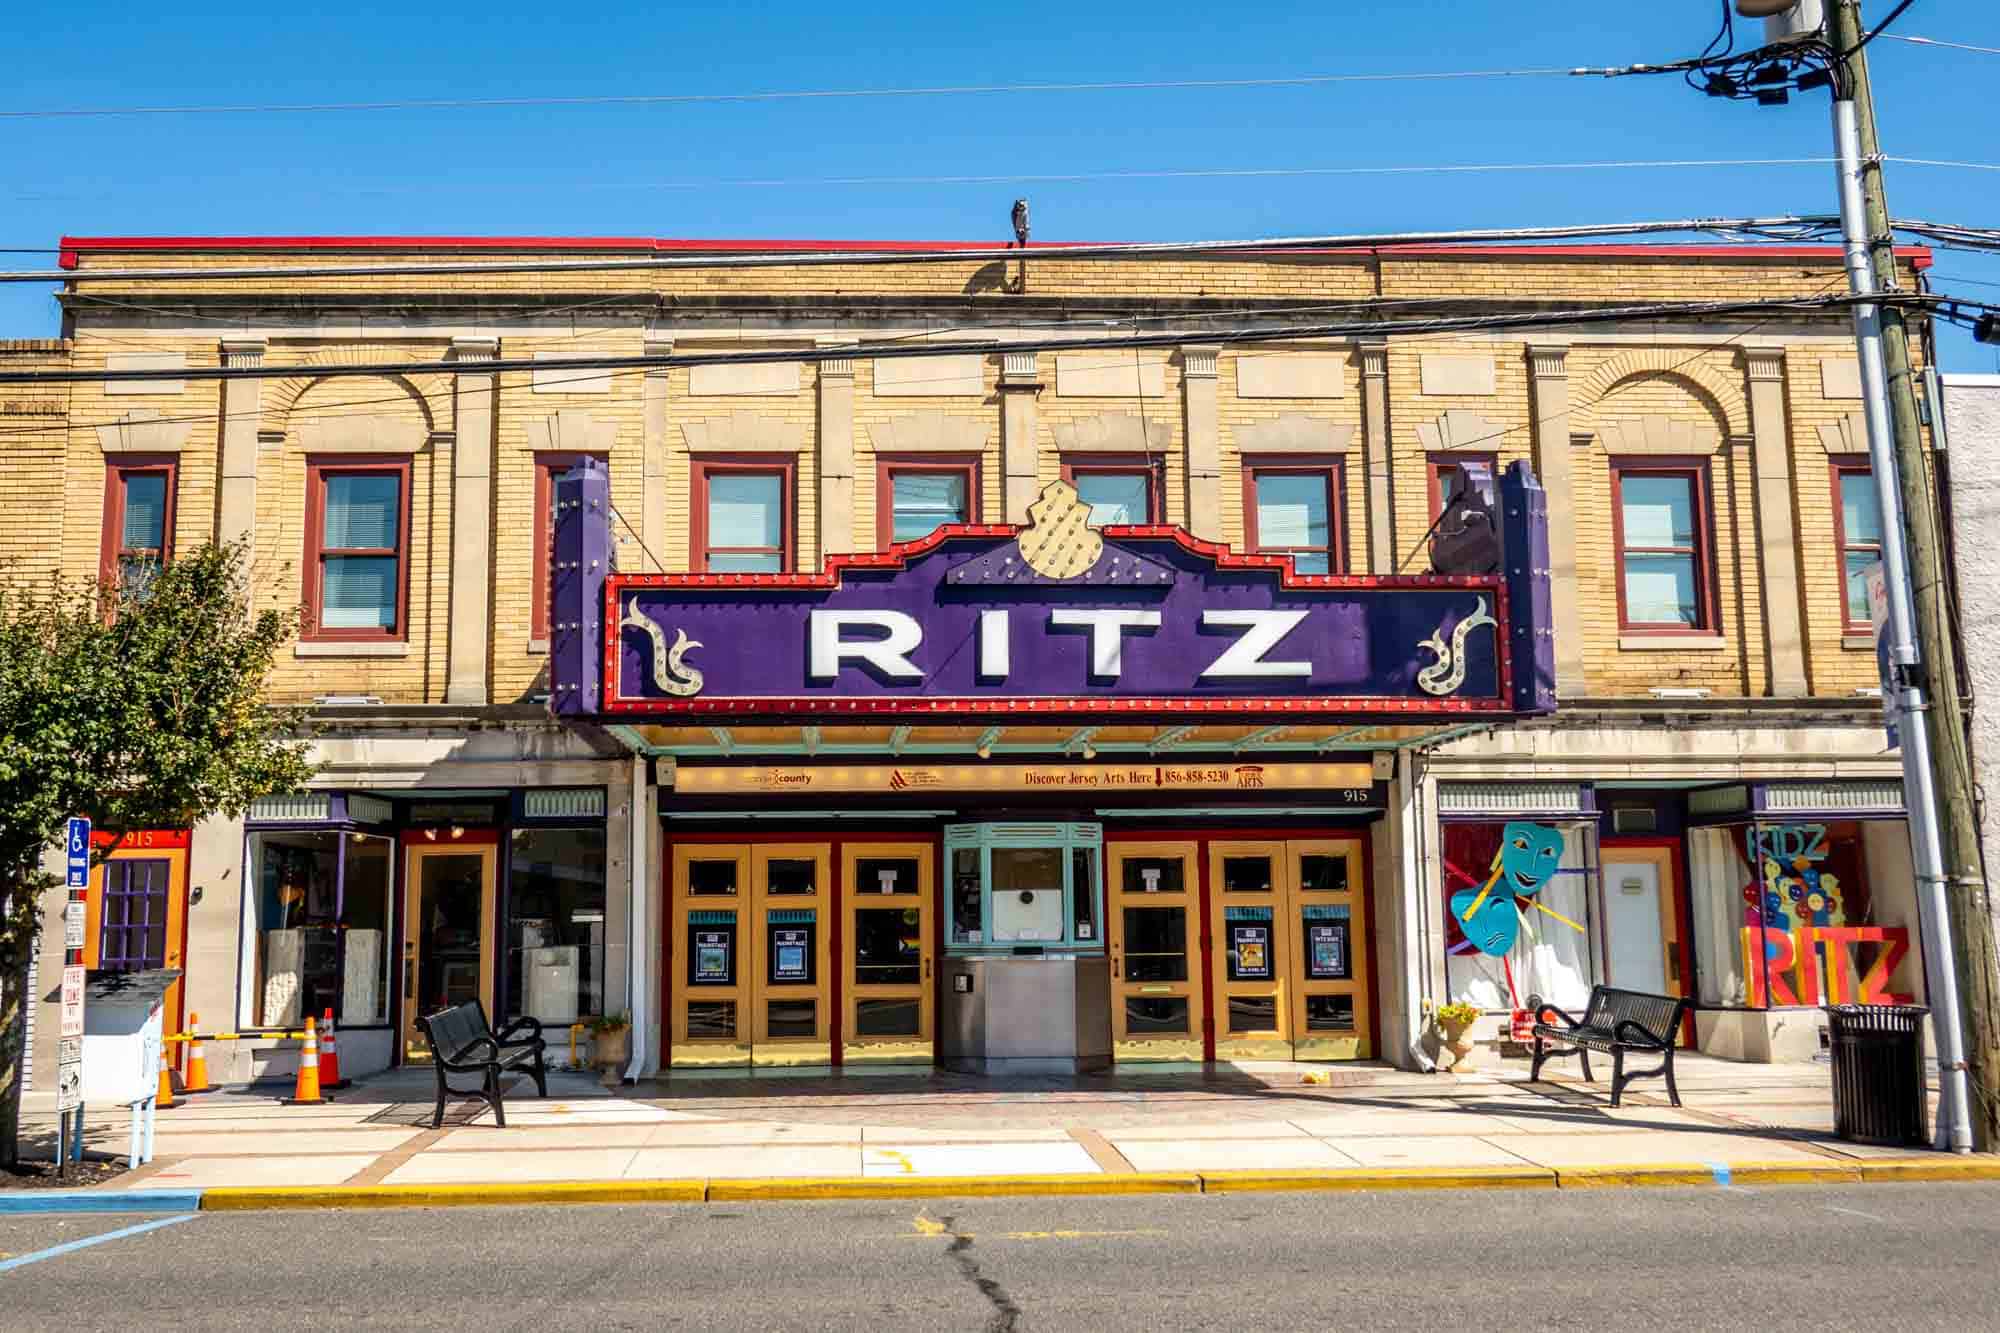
(1382,1178)
(1712,1173)
(955,1187)
(100,1201)
(259,1198)
(253,1198)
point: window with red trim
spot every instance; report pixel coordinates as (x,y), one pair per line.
(1296,508)
(138,520)
(1660,530)
(915,494)
(1117,489)
(1447,477)
(547,468)
(357,549)
(742,516)
(1857,534)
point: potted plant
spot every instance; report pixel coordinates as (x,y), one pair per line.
(1454,1021)
(610,1043)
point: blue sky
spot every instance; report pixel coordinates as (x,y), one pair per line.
(665,170)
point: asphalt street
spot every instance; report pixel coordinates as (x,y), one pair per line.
(1903,1256)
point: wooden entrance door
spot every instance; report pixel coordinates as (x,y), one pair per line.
(889,999)
(751,942)
(1154,931)
(449,931)
(1328,922)
(1288,966)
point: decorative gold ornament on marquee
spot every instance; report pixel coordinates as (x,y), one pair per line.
(1059,542)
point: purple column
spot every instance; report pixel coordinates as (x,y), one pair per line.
(1524,535)
(582,559)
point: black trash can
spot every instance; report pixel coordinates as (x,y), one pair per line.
(1878,1073)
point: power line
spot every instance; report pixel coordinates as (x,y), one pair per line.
(989,346)
(323,410)
(1933,41)
(778,254)
(1081,177)
(774,95)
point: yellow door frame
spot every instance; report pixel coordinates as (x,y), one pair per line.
(415,854)
(858,897)
(1124,1045)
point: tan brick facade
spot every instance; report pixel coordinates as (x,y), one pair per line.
(1634,392)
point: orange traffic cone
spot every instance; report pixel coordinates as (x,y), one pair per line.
(166,1094)
(197,1070)
(329,1060)
(306,1091)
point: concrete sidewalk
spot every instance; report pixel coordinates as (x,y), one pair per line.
(1256,1118)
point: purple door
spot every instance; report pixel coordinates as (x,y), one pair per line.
(132,930)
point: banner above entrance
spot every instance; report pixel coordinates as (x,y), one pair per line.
(1057,618)
(1350,783)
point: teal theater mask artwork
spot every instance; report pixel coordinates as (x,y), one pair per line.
(1490,916)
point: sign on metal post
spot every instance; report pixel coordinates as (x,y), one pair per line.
(73,919)
(69,1074)
(77,843)
(72,1001)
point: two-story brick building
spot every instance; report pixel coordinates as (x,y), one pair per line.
(1714,783)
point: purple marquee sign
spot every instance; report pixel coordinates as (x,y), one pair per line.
(1056,618)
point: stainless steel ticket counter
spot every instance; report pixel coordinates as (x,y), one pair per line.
(1026,985)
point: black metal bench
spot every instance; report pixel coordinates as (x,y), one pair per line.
(1616,1022)
(463,1042)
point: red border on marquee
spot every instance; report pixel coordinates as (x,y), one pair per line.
(898,557)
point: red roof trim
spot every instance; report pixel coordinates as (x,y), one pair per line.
(73,246)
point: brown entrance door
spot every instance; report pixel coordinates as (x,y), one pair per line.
(1251,963)
(1154,934)
(890,1016)
(752,955)
(448,934)
(1328,922)
(1289,964)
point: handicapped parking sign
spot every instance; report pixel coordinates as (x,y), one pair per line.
(77,839)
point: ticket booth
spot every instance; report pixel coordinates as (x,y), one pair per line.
(1027,980)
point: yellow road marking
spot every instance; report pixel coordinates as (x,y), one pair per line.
(928,1226)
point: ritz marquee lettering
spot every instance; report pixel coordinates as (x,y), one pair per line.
(1246,658)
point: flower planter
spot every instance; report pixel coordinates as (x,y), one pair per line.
(1456,1041)
(610,1051)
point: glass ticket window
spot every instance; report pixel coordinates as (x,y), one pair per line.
(1025,888)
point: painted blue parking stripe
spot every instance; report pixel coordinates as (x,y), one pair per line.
(137,1228)
(1720,1170)
(100,1201)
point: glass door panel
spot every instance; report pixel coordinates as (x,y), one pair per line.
(448,933)
(711,981)
(791,901)
(1327,919)
(1251,966)
(1152,909)
(890,1007)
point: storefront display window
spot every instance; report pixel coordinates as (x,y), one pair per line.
(555,924)
(1518,912)
(1804,913)
(322,901)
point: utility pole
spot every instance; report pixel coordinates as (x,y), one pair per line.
(1923,691)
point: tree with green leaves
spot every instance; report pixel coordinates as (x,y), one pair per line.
(139,705)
